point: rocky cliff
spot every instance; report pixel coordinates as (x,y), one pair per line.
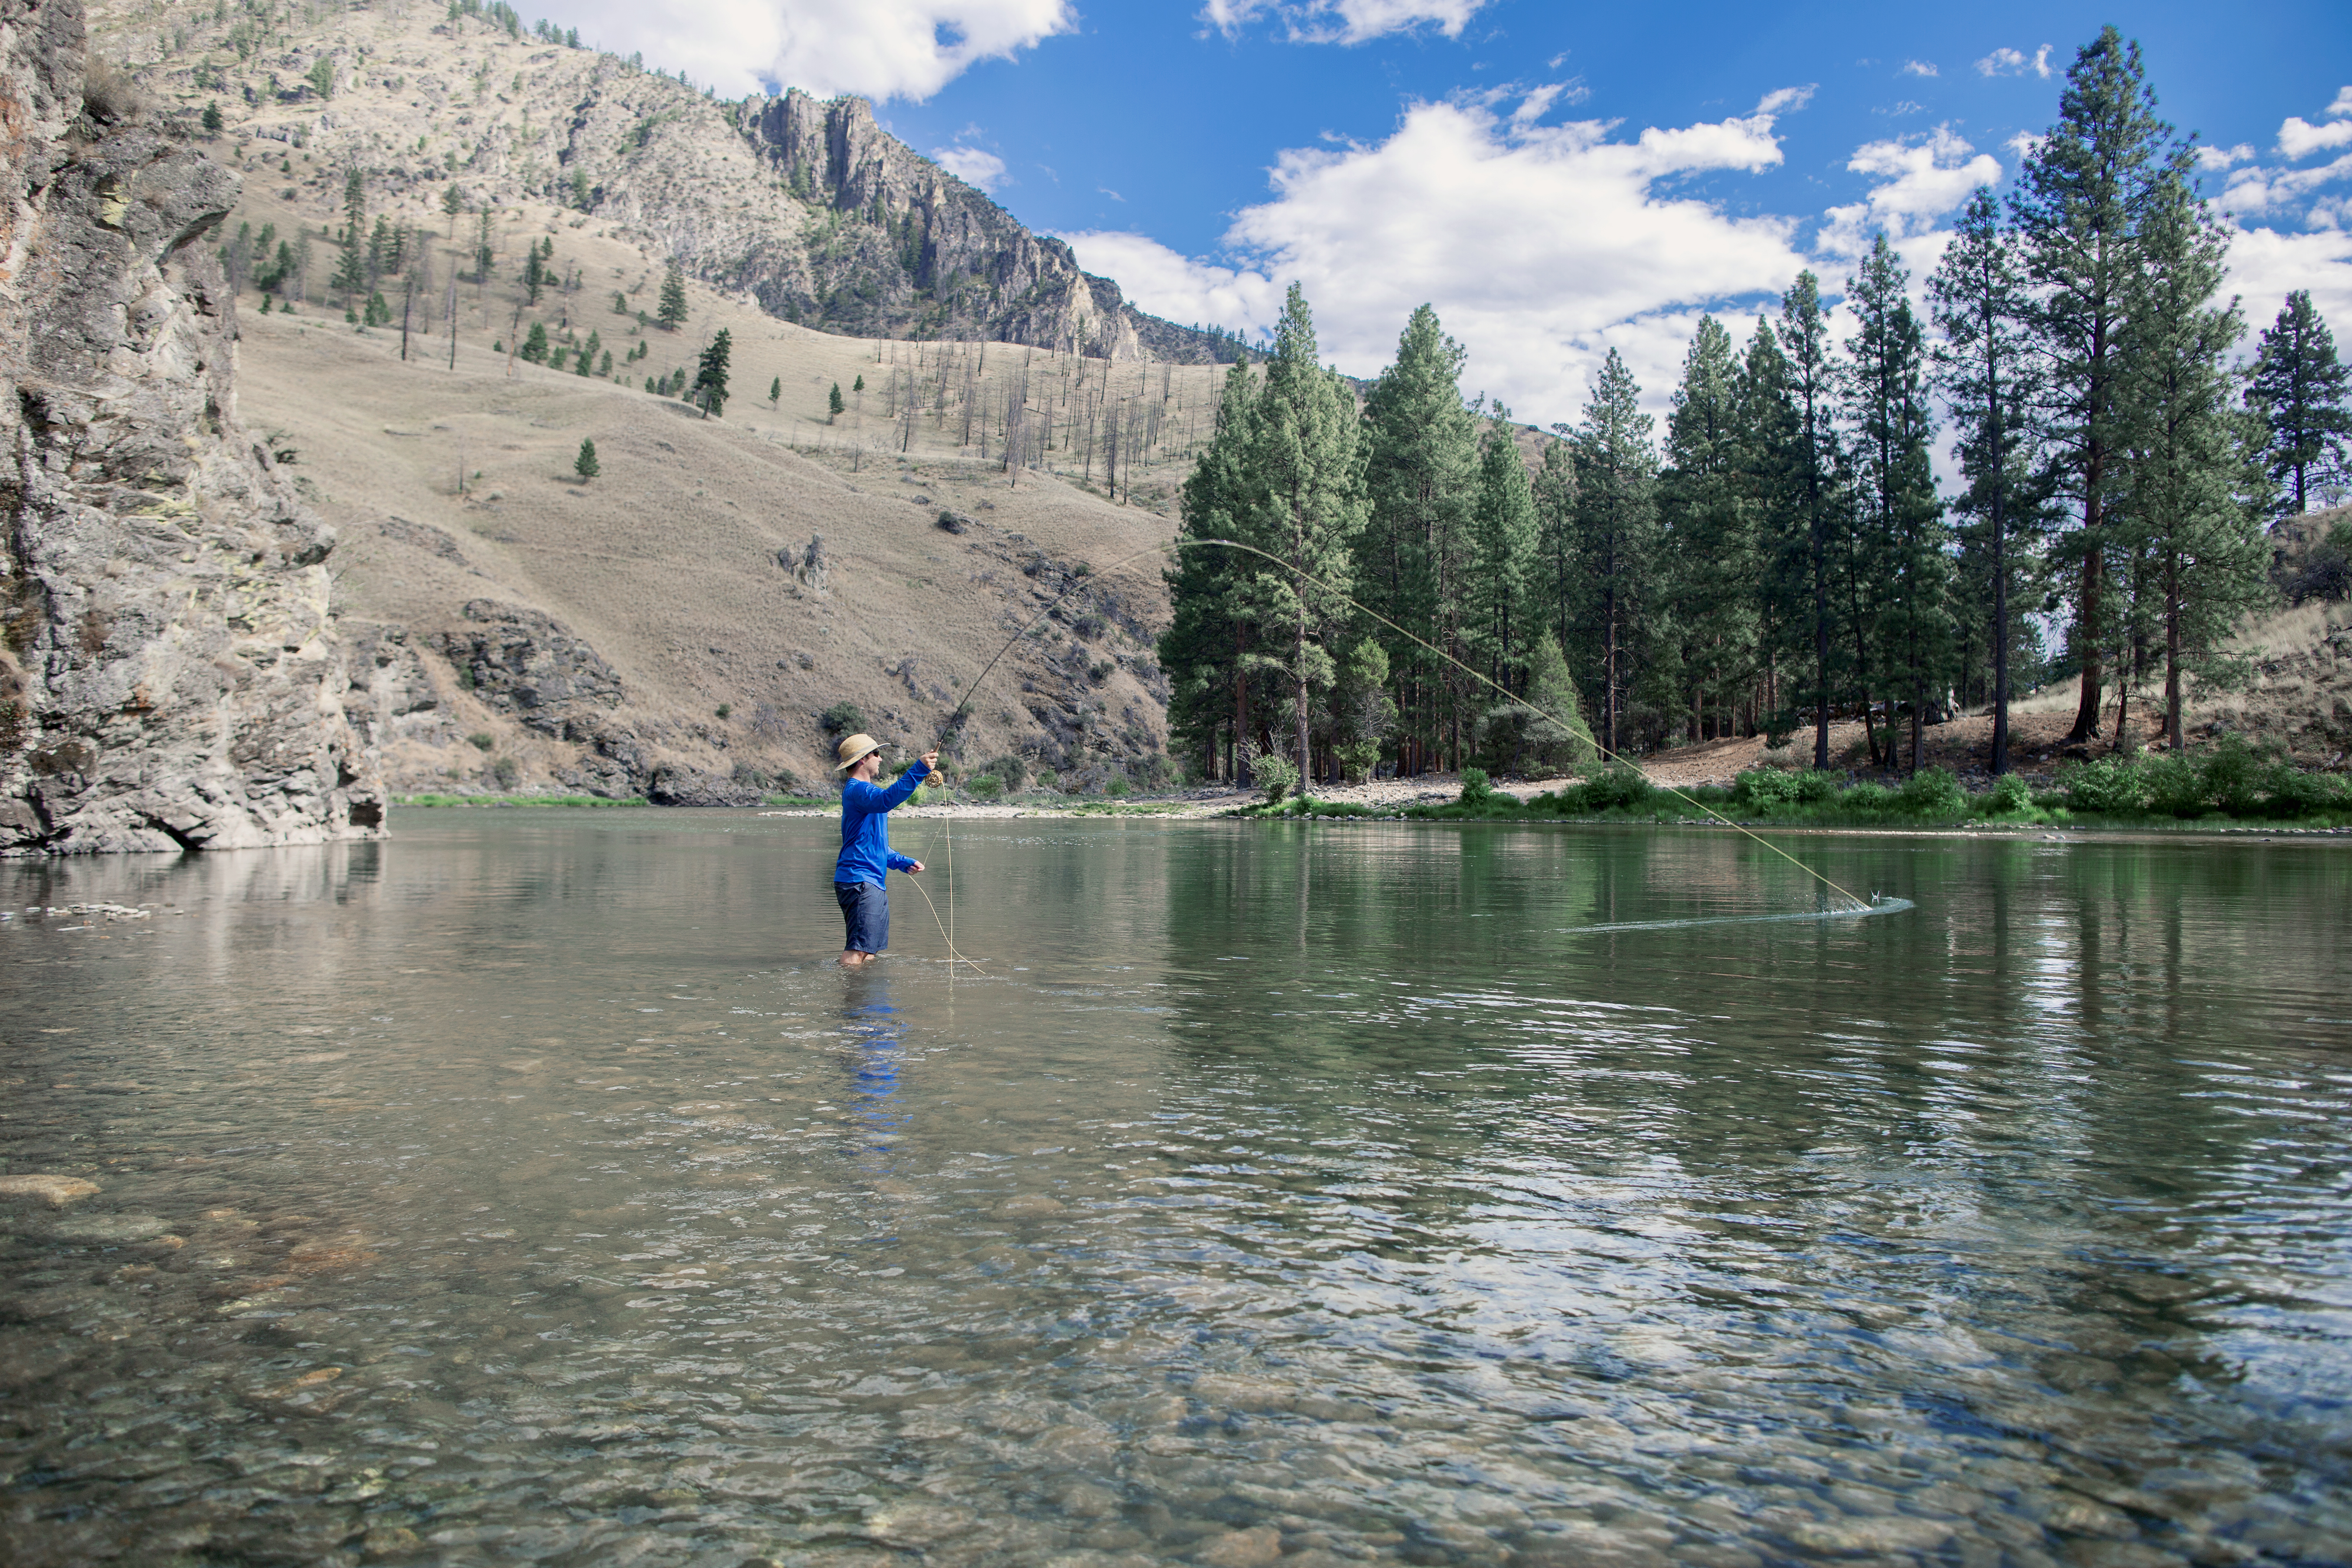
(170,674)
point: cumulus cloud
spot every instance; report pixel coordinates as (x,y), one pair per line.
(1918,67)
(1542,247)
(2218,158)
(2253,192)
(1341,21)
(1920,179)
(2298,137)
(2266,264)
(2011,62)
(972,166)
(881,49)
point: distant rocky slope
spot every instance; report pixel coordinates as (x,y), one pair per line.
(806,207)
(170,677)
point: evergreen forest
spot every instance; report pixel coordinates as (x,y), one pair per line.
(1780,554)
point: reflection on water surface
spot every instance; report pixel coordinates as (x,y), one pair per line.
(530,1189)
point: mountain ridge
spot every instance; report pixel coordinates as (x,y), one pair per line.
(805,206)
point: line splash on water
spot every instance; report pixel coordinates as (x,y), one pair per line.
(1879,906)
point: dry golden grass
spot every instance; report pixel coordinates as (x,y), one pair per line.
(666,564)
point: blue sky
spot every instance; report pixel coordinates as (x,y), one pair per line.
(1558,179)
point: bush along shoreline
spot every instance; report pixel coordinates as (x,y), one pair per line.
(2231,784)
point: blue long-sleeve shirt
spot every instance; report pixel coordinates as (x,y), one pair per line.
(865,853)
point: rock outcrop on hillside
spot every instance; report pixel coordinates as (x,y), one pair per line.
(170,674)
(924,248)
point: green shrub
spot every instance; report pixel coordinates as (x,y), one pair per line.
(2109,784)
(2173,786)
(1154,771)
(1615,786)
(1767,787)
(1475,786)
(2009,794)
(1277,776)
(1047,779)
(503,770)
(844,718)
(1932,791)
(984,787)
(481,739)
(2234,777)
(2293,793)
(1119,789)
(1869,799)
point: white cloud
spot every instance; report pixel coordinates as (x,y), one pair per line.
(1918,67)
(2011,62)
(880,48)
(1542,247)
(2217,158)
(1342,21)
(972,166)
(2254,191)
(2266,264)
(1922,179)
(2299,139)
(2024,144)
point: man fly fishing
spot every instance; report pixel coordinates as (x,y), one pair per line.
(867,857)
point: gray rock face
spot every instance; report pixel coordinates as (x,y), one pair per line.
(924,243)
(522,662)
(170,675)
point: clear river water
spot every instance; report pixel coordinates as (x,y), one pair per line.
(533,1188)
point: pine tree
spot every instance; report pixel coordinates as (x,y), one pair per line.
(1307,472)
(1616,526)
(776,390)
(534,347)
(212,117)
(1987,371)
(453,202)
(584,464)
(1211,637)
(482,249)
(2301,387)
(1707,529)
(350,268)
(2083,194)
(1560,741)
(2184,445)
(1421,475)
(710,376)
(1807,473)
(672,312)
(833,405)
(1502,551)
(1885,389)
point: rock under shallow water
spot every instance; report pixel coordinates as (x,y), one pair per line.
(58,1190)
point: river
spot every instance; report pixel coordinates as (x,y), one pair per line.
(532,1188)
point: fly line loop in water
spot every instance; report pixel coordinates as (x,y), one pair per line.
(1858,906)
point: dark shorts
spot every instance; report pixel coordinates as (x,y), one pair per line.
(866,910)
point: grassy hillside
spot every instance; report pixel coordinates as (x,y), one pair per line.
(453,486)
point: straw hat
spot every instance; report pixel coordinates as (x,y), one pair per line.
(854,751)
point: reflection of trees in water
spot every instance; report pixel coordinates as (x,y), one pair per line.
(2010,1107)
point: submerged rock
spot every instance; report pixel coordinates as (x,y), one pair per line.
(58,1190)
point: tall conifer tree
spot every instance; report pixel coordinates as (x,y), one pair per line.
(2085,192)
(1807,469)
(1891,426)
(1308,470)
(1421,474)
(1987,371)
(2185,446)
(2300,386)
(1706,530)
(1616,526)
